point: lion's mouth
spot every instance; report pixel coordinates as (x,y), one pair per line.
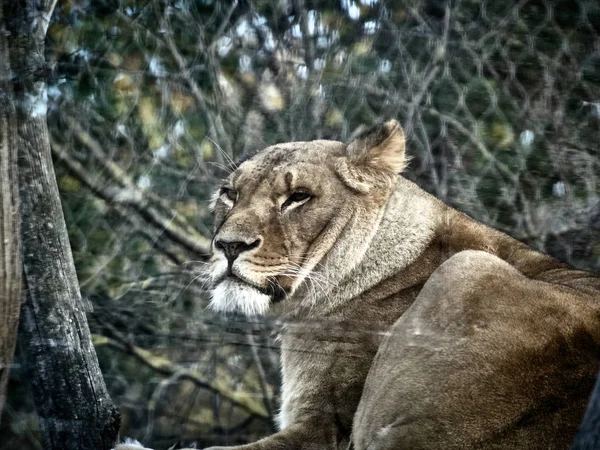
(274,290)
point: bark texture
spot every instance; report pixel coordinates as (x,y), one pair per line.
(10,256)
(73,405)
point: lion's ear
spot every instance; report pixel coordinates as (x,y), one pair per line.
(381,147)
(374,156)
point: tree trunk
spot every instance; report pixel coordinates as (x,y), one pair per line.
(73,405)
(10,256)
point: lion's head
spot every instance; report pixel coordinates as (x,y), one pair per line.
(282,216)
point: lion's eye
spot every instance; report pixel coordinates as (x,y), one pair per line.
(231,194)
(296,197)
(299,197)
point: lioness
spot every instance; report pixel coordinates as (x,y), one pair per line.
(409,325)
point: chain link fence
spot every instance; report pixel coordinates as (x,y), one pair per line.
(151,102)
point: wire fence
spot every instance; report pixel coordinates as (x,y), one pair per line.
(150,102)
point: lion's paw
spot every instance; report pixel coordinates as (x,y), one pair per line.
(130,444)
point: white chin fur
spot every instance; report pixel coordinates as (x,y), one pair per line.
(233,296)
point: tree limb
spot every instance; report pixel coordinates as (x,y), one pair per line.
(131,196)
(10,243)
(166,367)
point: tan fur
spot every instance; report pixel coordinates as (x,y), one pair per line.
(408,324)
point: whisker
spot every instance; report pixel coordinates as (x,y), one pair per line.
(232,164)
(191,261)
(183,291)
(227,169)
(309,279)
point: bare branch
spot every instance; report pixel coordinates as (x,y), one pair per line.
(134,197)
(168,368)
(438,57)
(262,376)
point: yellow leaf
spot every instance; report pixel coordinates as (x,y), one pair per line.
(271,97)
(180,102)
(248,79)
(57,31)
(187,209)
(362,47)
(502,134)
(133,62)
(206,149)
(334,117)
(98,339)
(124,83)
(114,58)
(155,138)
(146,111)
(67,183)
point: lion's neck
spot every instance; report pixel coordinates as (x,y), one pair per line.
(386,245)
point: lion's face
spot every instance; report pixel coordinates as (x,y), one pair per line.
(279,214)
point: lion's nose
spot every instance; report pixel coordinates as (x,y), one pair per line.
(233,249)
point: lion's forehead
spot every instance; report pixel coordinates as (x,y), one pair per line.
(269,163)
(297,149)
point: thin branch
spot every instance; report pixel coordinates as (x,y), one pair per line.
(307,40)
(170,250)
(224,23)
(501,167)
(46,16)
(134,198)
(168,368)
(262,376)
(118,175)
(214,124)
(479,145)
(437,59)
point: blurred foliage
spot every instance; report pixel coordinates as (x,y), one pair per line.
(150,101)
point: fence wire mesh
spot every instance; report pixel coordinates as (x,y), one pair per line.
(150,102)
